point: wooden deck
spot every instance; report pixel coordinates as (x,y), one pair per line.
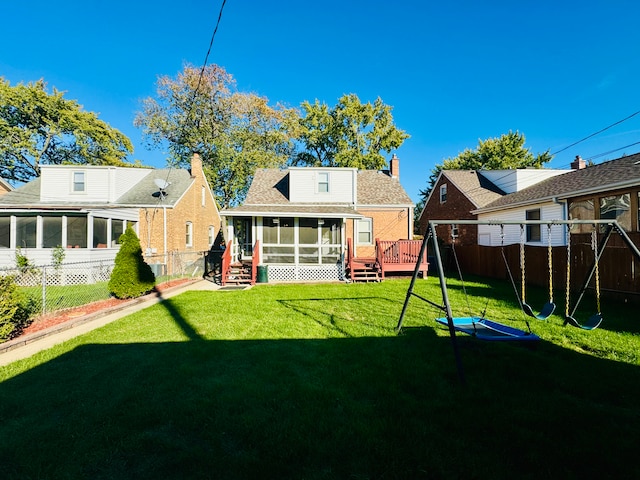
(399,256)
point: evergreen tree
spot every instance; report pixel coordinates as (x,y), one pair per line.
(131,276)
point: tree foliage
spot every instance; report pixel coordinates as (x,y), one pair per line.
(38,128)
(234,132)
(507,151)
(131,276)
(351,134)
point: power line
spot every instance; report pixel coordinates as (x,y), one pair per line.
(596,133)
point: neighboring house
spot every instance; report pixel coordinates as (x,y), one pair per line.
(459,194)
(5,187)
(301,219)
(85,209)
(609,190)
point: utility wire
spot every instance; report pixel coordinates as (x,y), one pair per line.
(596,133)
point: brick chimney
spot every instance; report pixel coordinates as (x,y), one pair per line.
(578,163)
(196,164)
(394,167)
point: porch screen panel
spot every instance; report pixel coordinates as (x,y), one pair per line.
(617,207)
(5,232)
(77,232)
(26,232)
(100,232)
(308,251)
(330,255)
(117,229)
(278,237)
(582,210)
(331,231)
(51,231)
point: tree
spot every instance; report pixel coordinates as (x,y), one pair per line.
(131,276)
(234,132)
(38,128)
(351,134)
(505,152)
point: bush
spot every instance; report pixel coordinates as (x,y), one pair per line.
(15,309)
(131,276)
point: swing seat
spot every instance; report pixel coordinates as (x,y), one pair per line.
(484,329)
(545,313)
(592,323)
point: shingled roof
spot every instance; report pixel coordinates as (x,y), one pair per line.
(623,172)
(269,193)
(474,186)
(144,193)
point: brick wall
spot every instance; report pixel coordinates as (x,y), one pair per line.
(189,208)
(456,207)
(388,224)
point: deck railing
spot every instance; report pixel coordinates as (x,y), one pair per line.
(255,261)
(226,263)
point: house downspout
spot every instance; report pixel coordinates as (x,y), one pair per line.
(565,216)
(164,232)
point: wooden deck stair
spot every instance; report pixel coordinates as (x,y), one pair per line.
(364,270)
(239,274)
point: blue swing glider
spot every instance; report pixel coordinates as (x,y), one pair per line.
(484,329)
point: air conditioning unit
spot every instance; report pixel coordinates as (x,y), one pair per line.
(158,269)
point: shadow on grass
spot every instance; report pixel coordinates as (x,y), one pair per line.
(368,407)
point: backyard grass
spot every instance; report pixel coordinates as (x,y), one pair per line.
(312,382)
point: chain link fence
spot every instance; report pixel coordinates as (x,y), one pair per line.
(50,289)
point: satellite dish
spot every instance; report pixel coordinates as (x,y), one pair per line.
(161,184)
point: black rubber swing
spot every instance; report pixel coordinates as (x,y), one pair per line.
(594,320)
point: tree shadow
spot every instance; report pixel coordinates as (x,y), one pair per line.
(351,407)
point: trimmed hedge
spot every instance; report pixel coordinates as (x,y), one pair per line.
(15,309)
(131,276)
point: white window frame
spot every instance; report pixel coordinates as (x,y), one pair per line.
(323,179)
(75,183)
(189,234)
(443,193)
(212,236)
(360,223)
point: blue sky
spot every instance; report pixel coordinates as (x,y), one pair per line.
(454,72)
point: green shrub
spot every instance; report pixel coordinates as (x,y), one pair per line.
(131,276)
(15,309)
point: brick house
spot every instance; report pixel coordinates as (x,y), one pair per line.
(302,220)
(84,209)
(460,194)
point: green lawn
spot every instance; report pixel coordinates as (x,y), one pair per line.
(311,382)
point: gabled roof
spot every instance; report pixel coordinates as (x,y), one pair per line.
(145,193)
(623,172)
(474,186)
(5,185)
(269,194)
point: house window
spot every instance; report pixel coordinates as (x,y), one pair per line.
(454,230)
(189,234)
(323,182)
(78,182)
(116,231)
(443,193)
(5,232)
(365,231)
(581,210)
(617,207)
(26,232)
(100,226)
(533,231)
(278,236)
(51,232)
(212,235)
(76,232)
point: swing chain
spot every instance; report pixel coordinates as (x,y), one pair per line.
(568,297)
(550,259)
(522,263)
(594,247)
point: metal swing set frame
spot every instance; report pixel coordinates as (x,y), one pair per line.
(477,326)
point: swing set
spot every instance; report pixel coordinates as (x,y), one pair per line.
(485,329)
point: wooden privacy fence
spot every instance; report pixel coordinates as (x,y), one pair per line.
(618,268)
